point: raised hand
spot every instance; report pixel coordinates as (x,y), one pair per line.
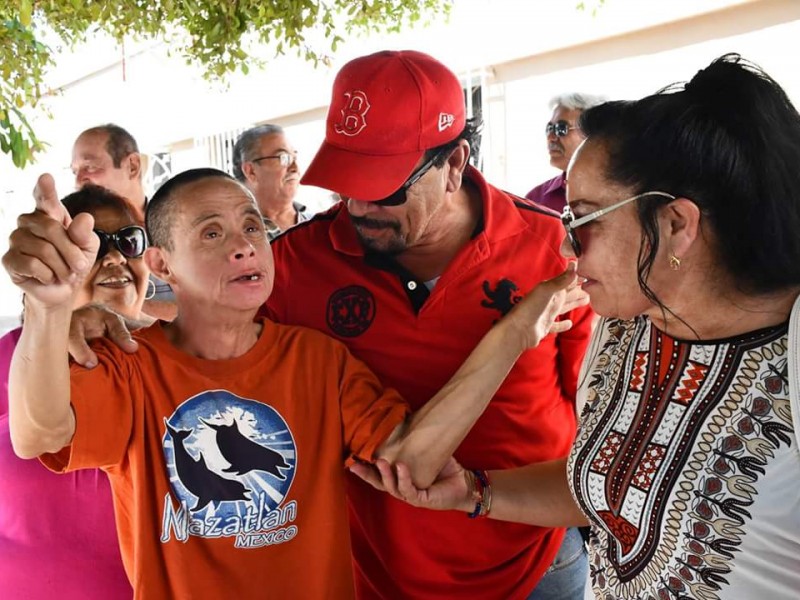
(49,253)
(537,313)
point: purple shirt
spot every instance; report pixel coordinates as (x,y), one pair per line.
(552,193)
(57,535)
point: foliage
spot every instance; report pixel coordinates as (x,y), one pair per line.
(219,35)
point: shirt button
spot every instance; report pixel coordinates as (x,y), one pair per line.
(412,285)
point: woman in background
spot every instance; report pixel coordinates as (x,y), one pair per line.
(57,534)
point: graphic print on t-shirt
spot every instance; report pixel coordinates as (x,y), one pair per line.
(231,462)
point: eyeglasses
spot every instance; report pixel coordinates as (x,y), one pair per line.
(285,158)
(131,241)
(571,223)
(399,197)
(560,128)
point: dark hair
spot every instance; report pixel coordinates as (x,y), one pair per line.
(246,145)
(92,197)
(471,133)
(729,140)
(120,143)
(160,209)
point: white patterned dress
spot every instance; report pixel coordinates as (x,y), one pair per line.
(686,463)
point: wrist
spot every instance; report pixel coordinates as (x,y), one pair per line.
(481,494)
(38,309)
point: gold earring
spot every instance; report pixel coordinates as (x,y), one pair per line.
(674,262)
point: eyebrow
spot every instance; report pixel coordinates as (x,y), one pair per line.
(582,202)
(203,218)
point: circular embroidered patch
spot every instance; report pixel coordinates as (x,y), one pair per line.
(351,311)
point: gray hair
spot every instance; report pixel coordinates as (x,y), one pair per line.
(576,101)
(246,145)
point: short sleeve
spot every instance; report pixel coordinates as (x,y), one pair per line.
(103,400)
(370,413)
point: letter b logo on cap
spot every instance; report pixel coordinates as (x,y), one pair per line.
(354,114)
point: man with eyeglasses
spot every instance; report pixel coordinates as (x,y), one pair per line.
(563,138)
(410,270)
(265,162)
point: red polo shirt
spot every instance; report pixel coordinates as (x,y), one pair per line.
(415,340)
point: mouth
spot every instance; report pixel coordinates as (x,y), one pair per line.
(552,148)
(249,277)
(116,282)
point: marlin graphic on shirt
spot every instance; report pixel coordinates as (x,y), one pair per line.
(245,455)
(195,475)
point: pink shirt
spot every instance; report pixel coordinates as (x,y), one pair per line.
(57,533)
(552,193)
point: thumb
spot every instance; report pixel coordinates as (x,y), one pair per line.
(47,200)
(81,232)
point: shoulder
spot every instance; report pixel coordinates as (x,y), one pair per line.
(306,231)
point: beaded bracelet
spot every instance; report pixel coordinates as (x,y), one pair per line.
(482,493)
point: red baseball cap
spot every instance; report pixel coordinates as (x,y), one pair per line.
(387,109)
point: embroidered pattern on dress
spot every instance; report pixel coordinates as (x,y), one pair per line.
(673,440)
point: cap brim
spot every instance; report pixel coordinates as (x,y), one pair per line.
(364,177)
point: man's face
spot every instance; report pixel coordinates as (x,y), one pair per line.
(273,184)
(220,257)
(561,149)
(395,229)
(91,163)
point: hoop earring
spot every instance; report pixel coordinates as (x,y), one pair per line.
(674,262)
(149,295)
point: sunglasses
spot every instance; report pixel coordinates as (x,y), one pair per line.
(399,197)
(284,158)
(560,128)
(131,241)
(571,223)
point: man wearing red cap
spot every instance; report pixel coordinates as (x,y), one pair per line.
(410,271)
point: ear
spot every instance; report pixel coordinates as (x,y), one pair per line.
(156,260)
(681,226)
(457,163)
(249,171)
(134,165)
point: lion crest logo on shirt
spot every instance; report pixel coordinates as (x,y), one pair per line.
(350,311)
(502,297)
(231,462)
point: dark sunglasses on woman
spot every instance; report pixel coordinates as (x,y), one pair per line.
(131,241)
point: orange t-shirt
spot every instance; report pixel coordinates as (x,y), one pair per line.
(227,475)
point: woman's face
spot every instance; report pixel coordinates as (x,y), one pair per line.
(610,244)
(115,281)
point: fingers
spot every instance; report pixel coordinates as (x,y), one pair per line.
(561,326)
(47,200)
(119,333)
(43,239)
(81,233)
(92,322)
(79,348)
(405,486)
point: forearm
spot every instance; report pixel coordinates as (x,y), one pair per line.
(536,494)
(40,416)
(431,435)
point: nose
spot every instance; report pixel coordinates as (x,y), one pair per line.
(241,248)
(567,251)
(113,257)
(293,165)
(359,208)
